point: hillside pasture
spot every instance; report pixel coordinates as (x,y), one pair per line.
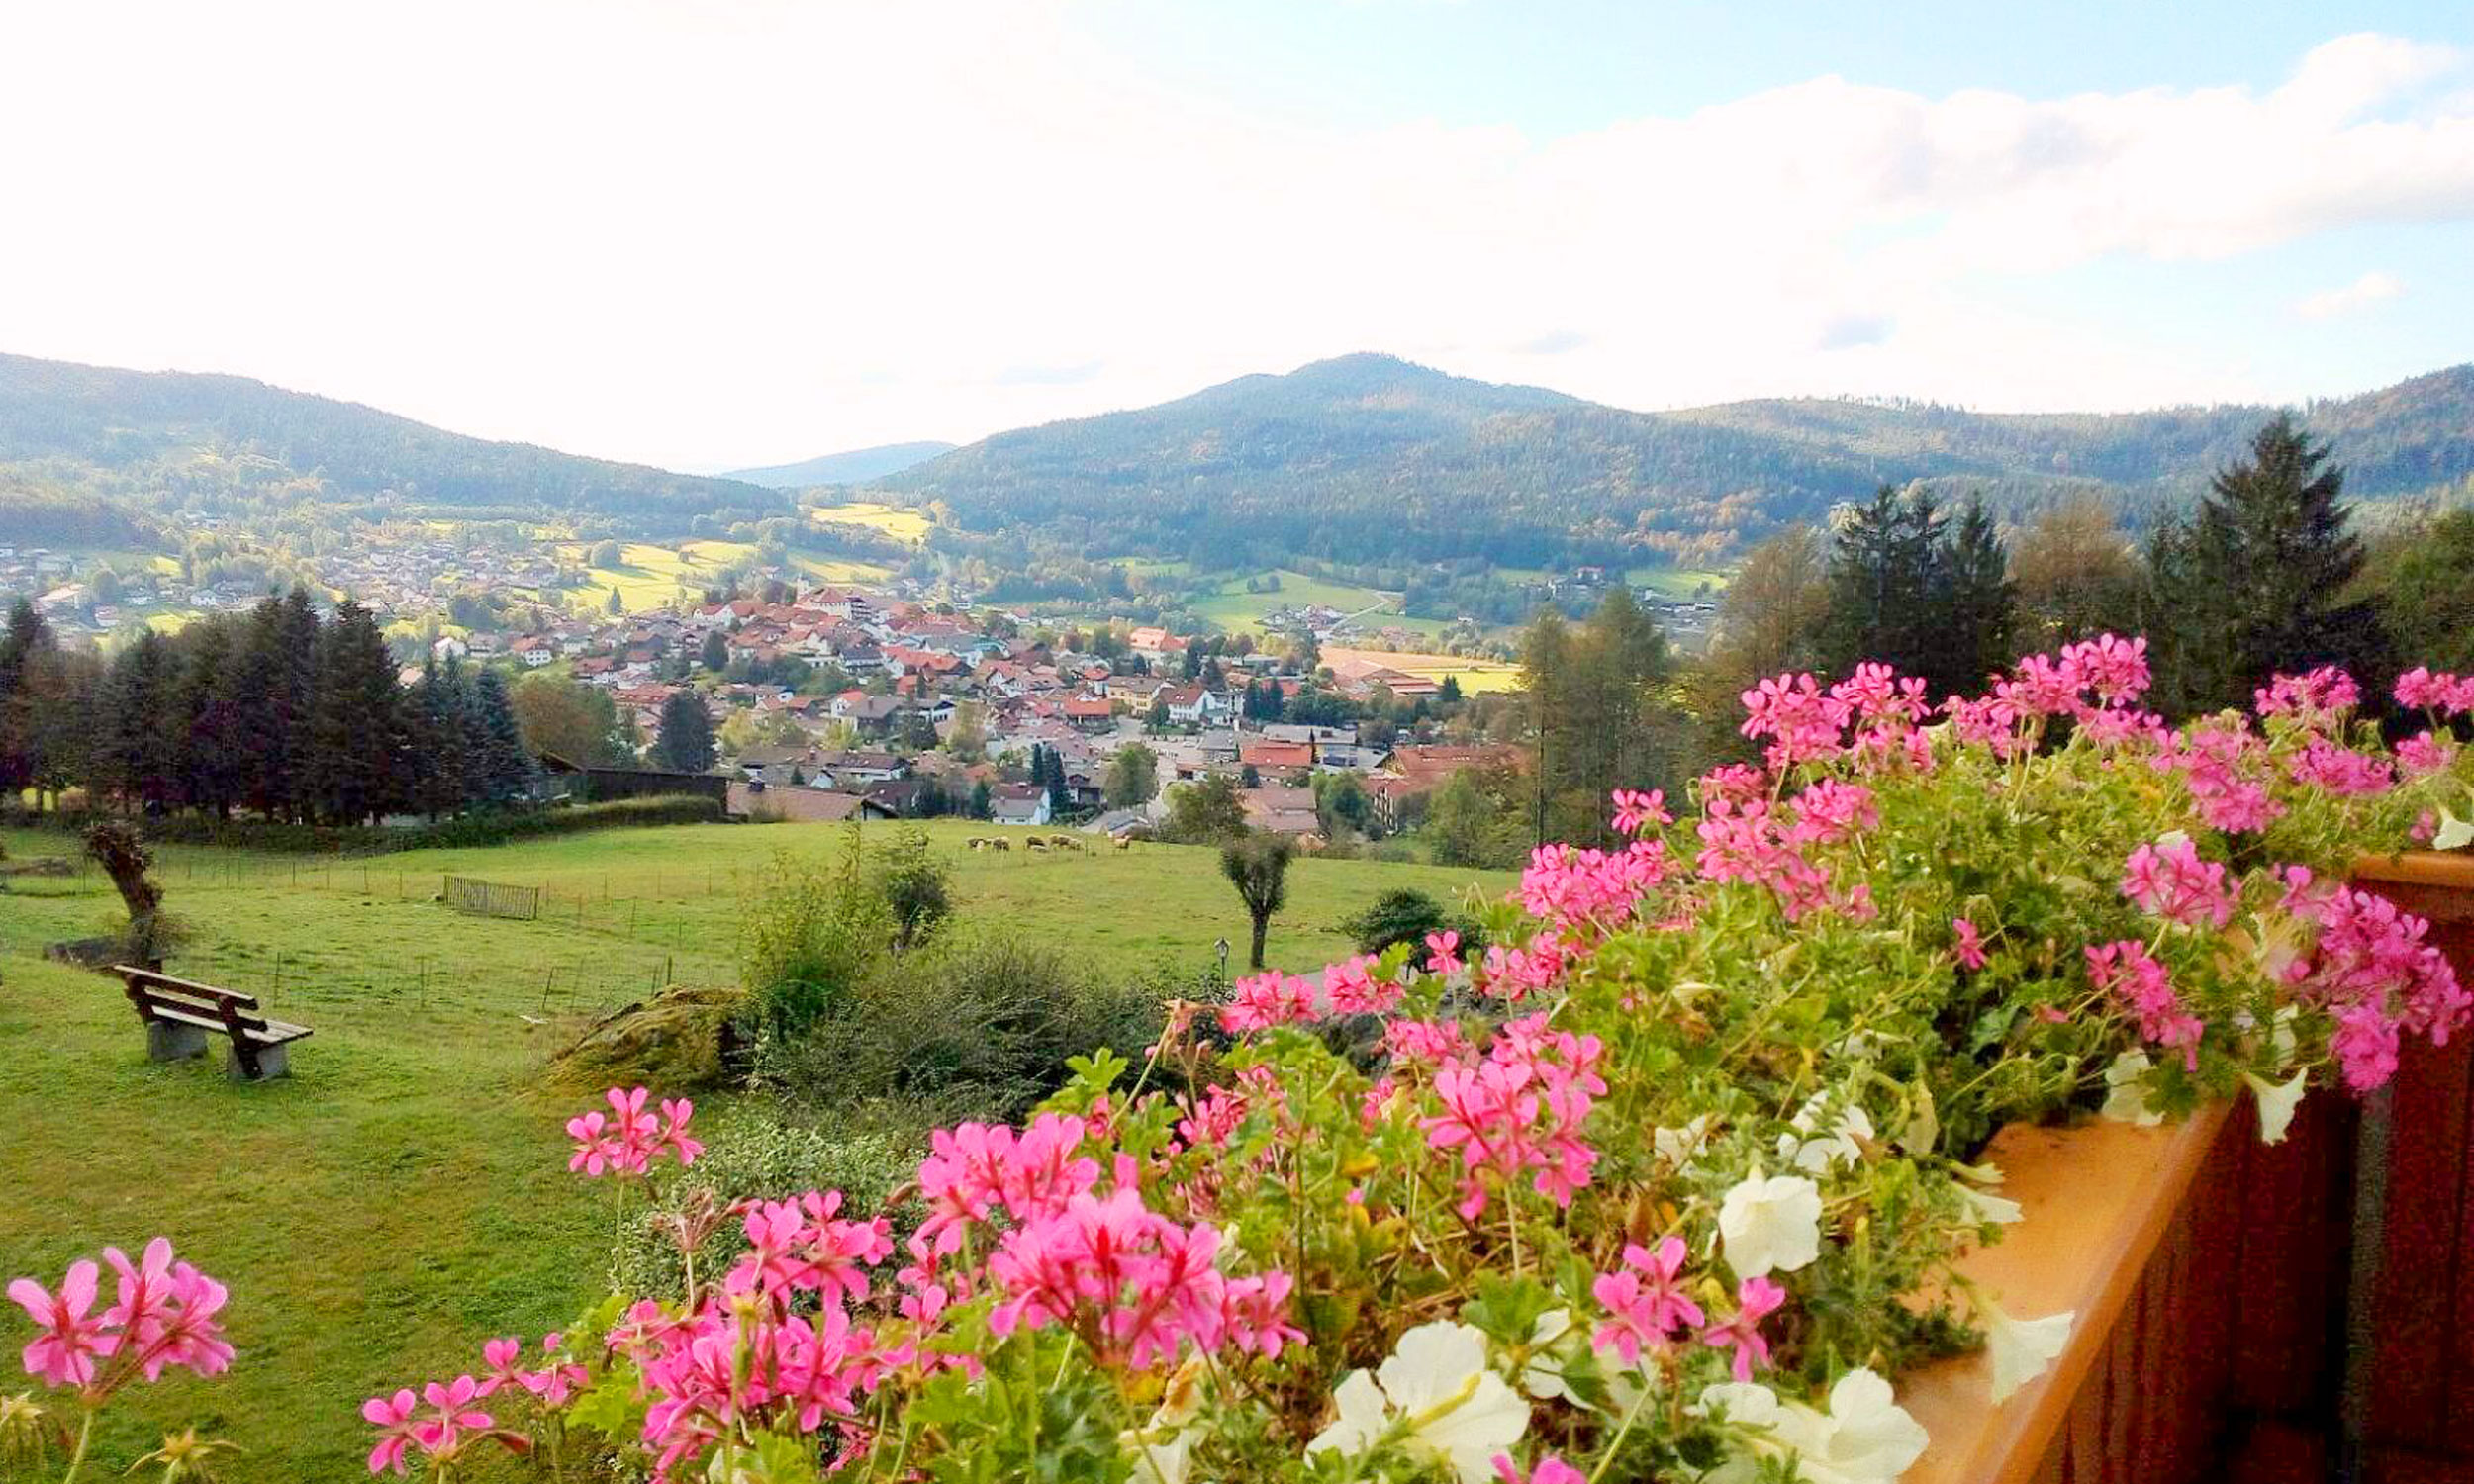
(1474,676)
(405,1195)
(1233,608)
(893,521)
(650,577)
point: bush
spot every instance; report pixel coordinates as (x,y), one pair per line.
(751,1155)
(976,1027)
(1405,916)
(815,934)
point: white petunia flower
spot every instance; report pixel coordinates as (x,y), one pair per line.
(1924,1125)
(1986,1209)
(1863,1438)
(1542,1377)
(1820,1152)
(1771,1225)
(2020,1349)
(1162,1451)
(2128,1101)
(1677,1146)
(2277,1102)
(1438,1388)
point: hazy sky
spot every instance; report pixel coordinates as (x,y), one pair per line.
(710,233)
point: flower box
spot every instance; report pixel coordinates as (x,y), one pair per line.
(2208,1273)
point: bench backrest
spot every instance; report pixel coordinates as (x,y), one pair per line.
(149,989)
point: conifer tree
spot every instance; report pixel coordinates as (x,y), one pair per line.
(503,772)
(138,757)
(23,648)
(357,750)
(687,741)
(2262,575)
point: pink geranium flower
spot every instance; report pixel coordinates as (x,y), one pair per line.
(1645,1301)
(1740,1331)
(393,1417)
(1969,944)
(72,1340)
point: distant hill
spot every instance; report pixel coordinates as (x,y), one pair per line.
(1370,457)
(854,467)
(158,439)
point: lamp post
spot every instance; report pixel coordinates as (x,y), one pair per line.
(1221,948)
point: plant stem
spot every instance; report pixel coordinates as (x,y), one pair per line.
(85,1433)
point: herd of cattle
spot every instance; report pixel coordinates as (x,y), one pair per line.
(1041,843)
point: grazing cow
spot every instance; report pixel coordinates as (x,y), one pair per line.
(999,845)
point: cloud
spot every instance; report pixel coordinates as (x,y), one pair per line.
(734,232)
(2371,288)
(1553,342)
(1851,332)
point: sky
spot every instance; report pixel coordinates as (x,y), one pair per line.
(709,234)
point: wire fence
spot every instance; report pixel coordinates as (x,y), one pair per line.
(493,898)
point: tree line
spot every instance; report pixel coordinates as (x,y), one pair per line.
(280,713)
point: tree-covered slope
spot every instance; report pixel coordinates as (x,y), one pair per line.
(1367,456)
(160,437)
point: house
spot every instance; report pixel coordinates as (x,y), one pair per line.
(1193,704)
(1019,803)
(1269,755)
(533,649)
(1089,713)
(1155,644)
(802,805)
(848,768)
(594,785)
(1280,810)
(901,797)
(1410,772)
(869,715)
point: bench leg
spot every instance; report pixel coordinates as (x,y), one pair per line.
(170,1040)
(271,1062)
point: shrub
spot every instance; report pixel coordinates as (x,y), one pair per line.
(1403,915)
(979,1026)
(750,1155)
(812,935)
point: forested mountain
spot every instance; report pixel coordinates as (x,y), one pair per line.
(1368,457)
(854,467)
(169,438)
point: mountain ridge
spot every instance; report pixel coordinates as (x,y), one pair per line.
(1367,455)
(850,466)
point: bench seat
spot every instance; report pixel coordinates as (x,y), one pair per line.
(179,1014)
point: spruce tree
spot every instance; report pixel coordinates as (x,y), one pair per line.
(138,754)
(23,648)
(503,772)
(209,736)
(358,746)
(687,740)
(2271,555)
(1977,606)
(440,745)
(297,642)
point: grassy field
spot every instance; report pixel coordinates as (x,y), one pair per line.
(649,577)
(893,521)
(404,1196)
(1679,582)
(1233,608)
(1474,676)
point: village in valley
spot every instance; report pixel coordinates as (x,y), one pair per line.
(943,712)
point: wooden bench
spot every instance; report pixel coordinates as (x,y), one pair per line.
(179,1015)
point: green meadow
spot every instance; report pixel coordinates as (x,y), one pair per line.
(404,1195)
